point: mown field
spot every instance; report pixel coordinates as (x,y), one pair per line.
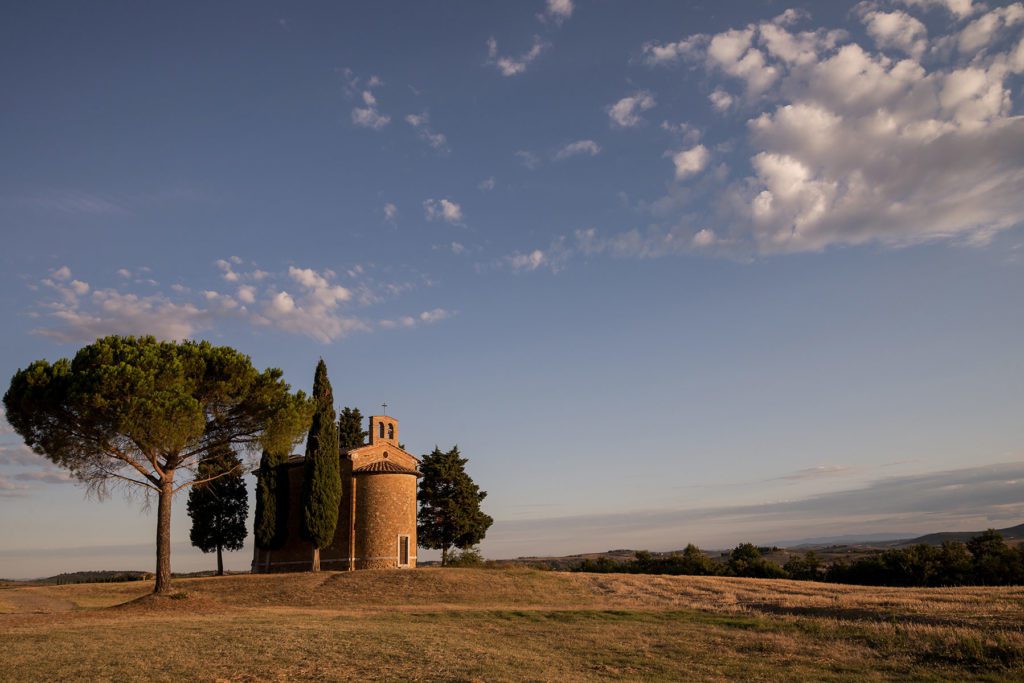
(505,625)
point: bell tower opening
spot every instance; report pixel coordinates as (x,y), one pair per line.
(383,429)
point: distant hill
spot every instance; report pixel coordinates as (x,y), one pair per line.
(96,577)
(849,539)
(1013,533)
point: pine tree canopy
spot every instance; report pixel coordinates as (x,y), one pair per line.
(450,514)
(350,428)
(138,412)
(322,483)
(219,506)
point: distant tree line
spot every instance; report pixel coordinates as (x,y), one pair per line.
(985,560)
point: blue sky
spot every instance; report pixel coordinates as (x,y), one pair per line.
(665,273)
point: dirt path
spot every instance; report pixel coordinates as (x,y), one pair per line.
(35,601)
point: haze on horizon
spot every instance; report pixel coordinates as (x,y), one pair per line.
(749,271)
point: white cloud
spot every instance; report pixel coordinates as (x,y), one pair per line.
(421,122)
(247,294)
(62,273)
(369,116)
(958,8)
(425,318)
(300,301)
(528,159)
(509,66)
(443,210)
(458,248)
(390,213)
(625,112)
(720,99)
(897,30)
(434,316)
(670,53)
(487,184)
(557,11)
(315,310)
(704,238)
(984,30)
(528,261)
(577,148)
(691,161)
(112,312)
(227,269)
(848,145)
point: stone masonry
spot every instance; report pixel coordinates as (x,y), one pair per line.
(376,518)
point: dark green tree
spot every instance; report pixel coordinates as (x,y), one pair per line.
(806,567)
(450,514)
(271,519)
(995,562)
(695,563)
(219,506)
(321,486)
(141,413)
(745,560)
(350,428)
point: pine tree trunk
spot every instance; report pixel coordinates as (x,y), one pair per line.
(316,559)
(163,535)
(220,562)
(444,555)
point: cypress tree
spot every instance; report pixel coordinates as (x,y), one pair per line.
(321,487)
(218,504)
(270,525)
(450,514)
(350,428)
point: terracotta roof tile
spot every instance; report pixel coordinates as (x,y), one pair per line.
(385,467)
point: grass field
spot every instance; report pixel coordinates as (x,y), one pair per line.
(510,624)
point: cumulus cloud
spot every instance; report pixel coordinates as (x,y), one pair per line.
(368,115)
(690,162)
(705,237)
(314,309)
(513,66)
(421,122)
(556,11)
(958,8)
(425,318)
(443,210)
(720,99)
(626,112)
(584,147)
(896,30)
(487,184)
(390,213)
(303,301)
(986,29)
(849,145)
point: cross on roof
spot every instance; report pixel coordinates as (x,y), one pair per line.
(385,407)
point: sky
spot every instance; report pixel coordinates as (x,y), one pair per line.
(665,272)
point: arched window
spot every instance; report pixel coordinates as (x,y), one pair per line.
(382,430)
(391,430)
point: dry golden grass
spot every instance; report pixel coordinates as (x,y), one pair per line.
(494,625)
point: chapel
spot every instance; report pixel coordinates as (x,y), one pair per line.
(377,515)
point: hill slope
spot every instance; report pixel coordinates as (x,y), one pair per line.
(496,625)
(1013,533)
